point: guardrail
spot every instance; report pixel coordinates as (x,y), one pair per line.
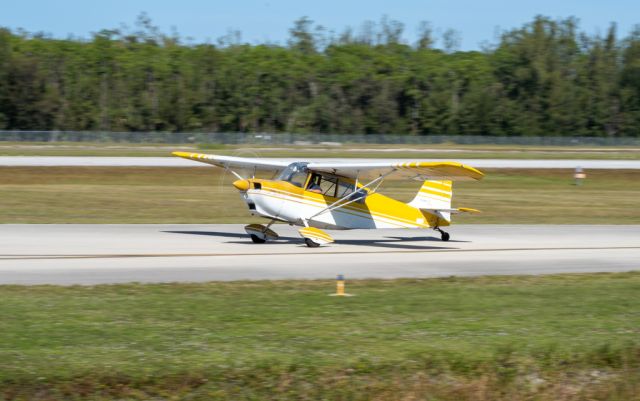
(233,138)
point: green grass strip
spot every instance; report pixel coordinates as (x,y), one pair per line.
(508,336)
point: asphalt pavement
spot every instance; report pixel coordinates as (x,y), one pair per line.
(96,161)
(103,254)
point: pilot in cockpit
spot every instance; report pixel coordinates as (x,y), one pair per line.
(314,187)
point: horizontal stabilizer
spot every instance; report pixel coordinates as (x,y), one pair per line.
(452,211)
(468,210)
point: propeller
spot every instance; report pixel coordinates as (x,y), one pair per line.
(229,175)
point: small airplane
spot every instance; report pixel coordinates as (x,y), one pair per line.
(341,196)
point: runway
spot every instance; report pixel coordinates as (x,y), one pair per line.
(88,161)
(102,254)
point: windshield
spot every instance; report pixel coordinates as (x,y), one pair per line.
(295,173)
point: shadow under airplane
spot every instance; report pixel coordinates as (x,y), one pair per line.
(384,242)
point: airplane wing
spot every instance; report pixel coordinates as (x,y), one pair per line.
(235,162)
(414,170)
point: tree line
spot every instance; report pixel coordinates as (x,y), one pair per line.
(544,78)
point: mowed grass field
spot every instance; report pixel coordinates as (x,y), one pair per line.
(205,195)
(564,337)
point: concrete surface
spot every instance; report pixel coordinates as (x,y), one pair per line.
(95,254)
(34,161)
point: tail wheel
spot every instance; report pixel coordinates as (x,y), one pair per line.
(443,234)
(257,240)
(310,243)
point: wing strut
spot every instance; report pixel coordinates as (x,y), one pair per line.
(350,198)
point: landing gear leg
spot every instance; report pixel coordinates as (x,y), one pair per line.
(443,234)
(269,225)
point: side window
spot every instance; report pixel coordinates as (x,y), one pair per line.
(322,185)
(328,186)
(314,184)
(344,188)
(360,195)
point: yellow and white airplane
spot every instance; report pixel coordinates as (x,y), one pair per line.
(341,196)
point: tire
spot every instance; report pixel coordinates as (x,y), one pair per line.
(444,236)
(257,240)
(310,243)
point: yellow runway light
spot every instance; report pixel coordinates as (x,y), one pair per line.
(340,288)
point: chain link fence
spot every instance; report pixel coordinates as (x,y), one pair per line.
(240,138)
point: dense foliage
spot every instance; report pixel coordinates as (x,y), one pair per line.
(545,78)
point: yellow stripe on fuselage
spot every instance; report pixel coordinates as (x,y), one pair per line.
(376,205)
(345,209)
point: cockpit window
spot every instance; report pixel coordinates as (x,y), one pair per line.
(359,196)
(322,185)
(335,187)
(346,188)
(295,173)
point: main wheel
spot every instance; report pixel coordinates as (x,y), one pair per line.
(310,243)
(444,236)
(257,240)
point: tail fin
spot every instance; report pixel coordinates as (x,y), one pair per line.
(435,197)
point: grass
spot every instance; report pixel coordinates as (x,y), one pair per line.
(446,151)
(203,195)
(564,337)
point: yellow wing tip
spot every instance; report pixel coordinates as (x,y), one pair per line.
(479,173)
(191,155)
(468,210)
(186,155)
(473,172)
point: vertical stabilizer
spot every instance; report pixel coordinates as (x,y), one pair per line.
(435,197)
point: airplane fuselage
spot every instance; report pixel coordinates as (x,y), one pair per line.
(284,201)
